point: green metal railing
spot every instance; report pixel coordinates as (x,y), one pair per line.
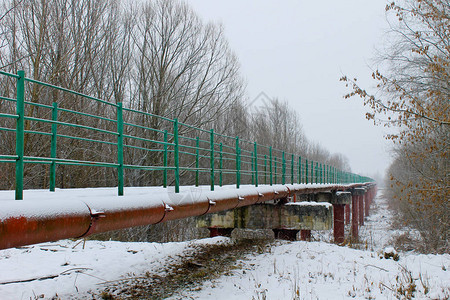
(181,148)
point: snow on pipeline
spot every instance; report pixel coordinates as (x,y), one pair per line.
(290,270)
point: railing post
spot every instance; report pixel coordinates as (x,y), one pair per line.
(283,169)
(256,164)
(197,160)
(53,147)
(211,159)
(120,148)
(299,180)
(20,111)
(306,171)
(165,159)
(220,164)
(238,164)
(292,169)
(176,155)
(270,166)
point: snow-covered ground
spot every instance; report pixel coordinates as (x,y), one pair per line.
(317,270)
(71,269)
(290,270)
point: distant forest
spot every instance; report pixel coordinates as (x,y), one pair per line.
(153,56)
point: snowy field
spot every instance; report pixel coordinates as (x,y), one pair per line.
(290,270)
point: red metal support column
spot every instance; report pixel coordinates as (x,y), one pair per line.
(305,235)
(338,228)
(355,200)
(347,214)
(361,210)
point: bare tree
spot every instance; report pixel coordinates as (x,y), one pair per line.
(413,91)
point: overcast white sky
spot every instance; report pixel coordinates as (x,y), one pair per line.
(297,50)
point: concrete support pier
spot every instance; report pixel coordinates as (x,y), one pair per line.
(286,220)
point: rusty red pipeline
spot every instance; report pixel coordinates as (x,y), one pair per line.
(29,222)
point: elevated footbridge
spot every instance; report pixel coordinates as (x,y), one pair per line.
(72,144)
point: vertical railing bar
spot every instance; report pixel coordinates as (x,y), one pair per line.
(220,164)
(120,148)
(256,164)
(53,147)
(306,171)
(300,178)
(238,164)
(176,155)
(283,169)
(20,111)
(211,142)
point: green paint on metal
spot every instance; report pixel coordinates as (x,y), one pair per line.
(20,111)
(176,156)
(120,148)
(220,164)
(313,172)
(238,164)
(53,147)
(256,164)
(306,171)
(300,178)
(211,143)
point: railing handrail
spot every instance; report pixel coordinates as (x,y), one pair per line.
(263,163)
